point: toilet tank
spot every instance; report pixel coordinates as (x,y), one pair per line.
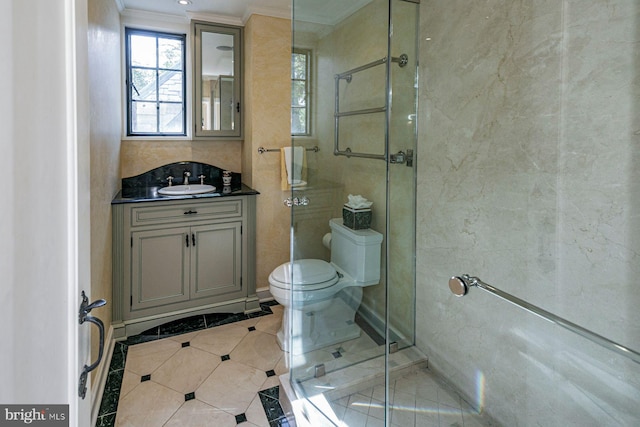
(357,252)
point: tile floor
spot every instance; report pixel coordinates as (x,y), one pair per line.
(227,375)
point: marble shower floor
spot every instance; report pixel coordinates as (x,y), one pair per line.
(227,375)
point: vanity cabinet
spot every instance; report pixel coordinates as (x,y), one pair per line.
(177,258)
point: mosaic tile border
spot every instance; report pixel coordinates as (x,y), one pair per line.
(111,395)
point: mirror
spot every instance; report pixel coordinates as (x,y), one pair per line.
(217,80)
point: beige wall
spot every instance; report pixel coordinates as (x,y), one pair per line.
(105,104)
(139,156)
(267,124)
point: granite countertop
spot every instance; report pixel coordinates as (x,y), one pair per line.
(144,187)
(150,194)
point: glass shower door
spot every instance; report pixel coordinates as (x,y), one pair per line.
(363,101)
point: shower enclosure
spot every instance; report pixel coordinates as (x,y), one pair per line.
(516,173)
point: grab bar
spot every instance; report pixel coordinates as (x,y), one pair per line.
(460,285)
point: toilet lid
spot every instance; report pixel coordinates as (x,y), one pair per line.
(308,274)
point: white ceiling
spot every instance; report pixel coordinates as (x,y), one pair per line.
(325,12)
(230,8)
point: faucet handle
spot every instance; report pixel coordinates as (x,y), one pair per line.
(202,177)
(170,179)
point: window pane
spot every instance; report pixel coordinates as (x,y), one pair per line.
(299,66)
(171,118)
(170,54)
(144,117)
(170,86)
(143,51)
(298,94)
(298,121)
(144,84)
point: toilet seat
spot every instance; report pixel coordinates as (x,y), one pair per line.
(308,275)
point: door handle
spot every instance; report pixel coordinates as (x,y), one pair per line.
(83,316)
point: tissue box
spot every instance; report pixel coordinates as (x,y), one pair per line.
(356,219)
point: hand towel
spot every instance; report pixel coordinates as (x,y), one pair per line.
(293,167)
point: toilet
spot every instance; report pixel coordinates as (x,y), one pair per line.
(321,298)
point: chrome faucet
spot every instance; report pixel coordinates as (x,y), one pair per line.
(187,174)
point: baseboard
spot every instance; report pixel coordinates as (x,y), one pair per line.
(97,386)
(264,294)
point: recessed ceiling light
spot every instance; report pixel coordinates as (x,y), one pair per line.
(184,2)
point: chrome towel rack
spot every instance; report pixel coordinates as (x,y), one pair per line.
(402,61)
(460,286)
(261,150)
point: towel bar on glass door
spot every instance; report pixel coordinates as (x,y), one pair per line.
(460,285)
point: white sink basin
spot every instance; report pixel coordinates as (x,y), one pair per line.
(185,190)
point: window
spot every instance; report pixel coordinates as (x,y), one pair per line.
(156,87)
(300,94)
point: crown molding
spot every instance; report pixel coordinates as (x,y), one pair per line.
(119,5)
(273,12)
(135,14)
(215,19)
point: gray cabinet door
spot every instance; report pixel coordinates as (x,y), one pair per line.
(216,263)
(160,267)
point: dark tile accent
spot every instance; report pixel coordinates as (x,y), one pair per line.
(268,304)
(182,326)
(189,396)
(111,393)
(186,344)
(271,404)
(270,373)
(280,422)
(336,354)
(218,319)
(119,356)
(251,328)
(139,339)
(225,357)
(108,420)
(241,418)
(145,378)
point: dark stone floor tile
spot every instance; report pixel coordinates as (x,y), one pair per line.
(271,404)
(182,326)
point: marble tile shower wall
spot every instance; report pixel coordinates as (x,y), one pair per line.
(528,179)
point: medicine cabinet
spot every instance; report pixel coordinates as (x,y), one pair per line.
(217,80)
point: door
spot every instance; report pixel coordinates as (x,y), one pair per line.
(44,222)
(160,267)
(216,260)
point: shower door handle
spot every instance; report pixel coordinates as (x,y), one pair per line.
(402,158)
(296,201)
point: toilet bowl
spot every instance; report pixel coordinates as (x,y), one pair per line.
(320,298)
